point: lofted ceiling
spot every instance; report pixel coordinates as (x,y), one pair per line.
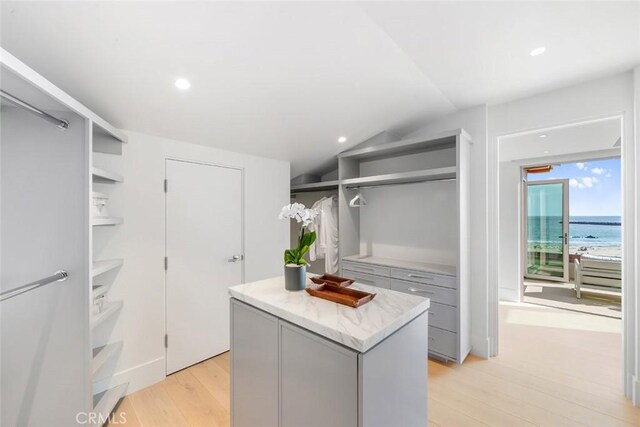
(285,80)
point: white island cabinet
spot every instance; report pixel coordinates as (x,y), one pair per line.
(298,361)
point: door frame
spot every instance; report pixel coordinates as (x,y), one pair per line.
(525,229)
(242,229)
(630,176)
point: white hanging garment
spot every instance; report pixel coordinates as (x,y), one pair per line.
(328,234)
(314,250)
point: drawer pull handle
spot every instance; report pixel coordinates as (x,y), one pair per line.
(431,339)
(431,313)
(417,276)
(420,291)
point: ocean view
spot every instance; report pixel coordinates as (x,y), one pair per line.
(597,235)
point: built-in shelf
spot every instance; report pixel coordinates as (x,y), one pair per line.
(405,146)
(99,267)
(102,355)
(102,175)
(110,309)
(99,221)
(105,402)
(315,186)
(439,174)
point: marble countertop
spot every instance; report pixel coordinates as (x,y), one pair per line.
(357,328)
(427,267)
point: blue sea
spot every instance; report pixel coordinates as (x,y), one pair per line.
(583,230)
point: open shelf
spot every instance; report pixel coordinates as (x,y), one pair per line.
(98,221)
(99,267)
(315,186)
(438,174)
(106,176)
(102,355)
(110,309)
(105,402)
(405,146)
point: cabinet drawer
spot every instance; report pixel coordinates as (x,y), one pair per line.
(423,277)
(378,270)
(443,317)
(434,293)
(443,342)
(367,279)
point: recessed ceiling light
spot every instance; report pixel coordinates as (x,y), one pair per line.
(538,51)
(545,152)
(182,84)
(544,135)
(342,139)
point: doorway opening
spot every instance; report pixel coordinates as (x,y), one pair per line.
(560,250)
(572,252)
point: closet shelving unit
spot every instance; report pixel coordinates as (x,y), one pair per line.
(106,145)
(433,158)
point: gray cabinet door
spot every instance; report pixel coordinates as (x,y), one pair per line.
(319,381)
(254,366)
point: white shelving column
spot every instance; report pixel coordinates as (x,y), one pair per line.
(107,178)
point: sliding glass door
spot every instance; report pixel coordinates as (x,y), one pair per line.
(547,230)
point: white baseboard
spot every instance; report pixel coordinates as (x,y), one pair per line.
(138,377)
(508,294)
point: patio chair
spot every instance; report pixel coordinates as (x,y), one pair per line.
(598,272)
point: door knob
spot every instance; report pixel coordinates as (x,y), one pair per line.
(236,258)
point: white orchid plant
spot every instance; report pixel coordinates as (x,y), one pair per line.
(306,238)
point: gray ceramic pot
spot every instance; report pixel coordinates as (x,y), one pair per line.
(295,277)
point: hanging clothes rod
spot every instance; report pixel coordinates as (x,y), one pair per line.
(359,187)
(59,276)
(60,123)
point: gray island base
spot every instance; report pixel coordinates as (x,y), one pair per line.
(300,361)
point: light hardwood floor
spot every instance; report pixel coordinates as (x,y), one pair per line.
(556,368)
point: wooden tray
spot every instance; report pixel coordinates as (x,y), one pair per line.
(332,280)
(345,296)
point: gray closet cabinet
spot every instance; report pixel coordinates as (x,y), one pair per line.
(315,370)
(284,375)
(442,290)
(254,361)
(273,360)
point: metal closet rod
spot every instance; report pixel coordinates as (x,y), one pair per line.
(58,276)
(360,187)
(60,123)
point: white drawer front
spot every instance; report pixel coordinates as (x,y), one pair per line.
(434,293)
(366,268)
(443,317)
(443,342)
(367,279)
(423,277)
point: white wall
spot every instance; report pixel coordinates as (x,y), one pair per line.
(140,241)
(612,96)
(474,121)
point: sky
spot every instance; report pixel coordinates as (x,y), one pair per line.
(594,187)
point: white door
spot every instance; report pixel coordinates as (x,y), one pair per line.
(204,258)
